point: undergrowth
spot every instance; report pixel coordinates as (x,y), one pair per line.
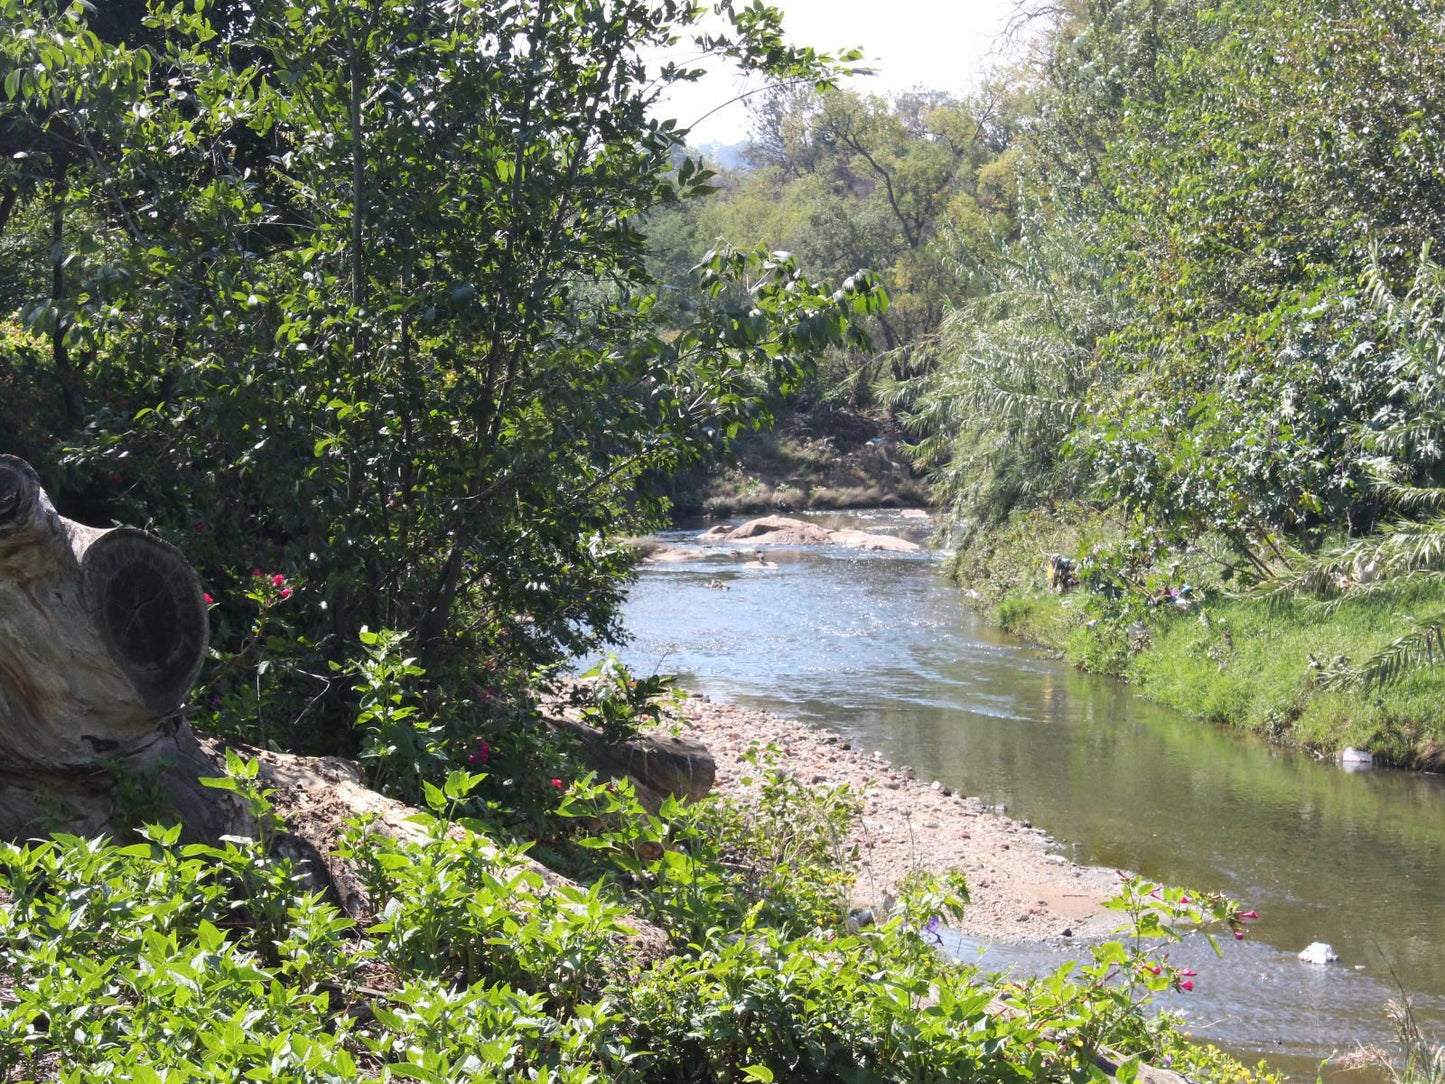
(1178,630)
(153,960)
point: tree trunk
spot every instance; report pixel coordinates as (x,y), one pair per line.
(102,635)
(659,766)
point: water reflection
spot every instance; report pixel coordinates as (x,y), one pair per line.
(878,648)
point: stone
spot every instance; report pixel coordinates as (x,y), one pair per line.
(1318,953)
(1352,759)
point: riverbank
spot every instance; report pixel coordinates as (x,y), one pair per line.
(824,461)
(1244,662)
(1021,888)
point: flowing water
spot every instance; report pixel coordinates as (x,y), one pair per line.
(880,649)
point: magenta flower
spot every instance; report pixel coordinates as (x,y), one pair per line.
(285,592)
(209,600)
(1187,984)
(1188,972)
(278,580)
(559,784)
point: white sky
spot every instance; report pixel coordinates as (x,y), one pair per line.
(933,43)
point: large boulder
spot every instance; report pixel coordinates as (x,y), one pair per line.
(871,540)
(778,531)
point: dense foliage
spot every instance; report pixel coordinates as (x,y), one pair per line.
(154,961)
(919,188)
(355,294)
(1218,322)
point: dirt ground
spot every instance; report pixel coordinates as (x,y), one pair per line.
(1022,889)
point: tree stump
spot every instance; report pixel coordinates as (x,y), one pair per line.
(102,634)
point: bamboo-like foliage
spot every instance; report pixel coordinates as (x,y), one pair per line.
(1010,376)
(1409,549)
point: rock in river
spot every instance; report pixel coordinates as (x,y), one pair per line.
(784,531)
(1318,953)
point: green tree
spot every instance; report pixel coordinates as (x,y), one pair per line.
(362,294)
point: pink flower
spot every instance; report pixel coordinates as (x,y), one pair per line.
(279,580)
(1239,935)
(256,572)
(483,753)
(285,592)
(201,526)
(1153,969)
(1188,972)
(1187,984)
(209,600)
(1247,914)
(559,784)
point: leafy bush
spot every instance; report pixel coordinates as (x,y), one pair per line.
(157,962)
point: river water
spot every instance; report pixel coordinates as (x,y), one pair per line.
(881,649)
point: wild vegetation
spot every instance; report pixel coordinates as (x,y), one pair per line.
(1173,275)
(152,962)
(355,304)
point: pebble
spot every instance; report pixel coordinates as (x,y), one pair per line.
(903,830)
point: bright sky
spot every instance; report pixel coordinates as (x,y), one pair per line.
(940,44)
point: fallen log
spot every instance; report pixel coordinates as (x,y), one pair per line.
(658,765)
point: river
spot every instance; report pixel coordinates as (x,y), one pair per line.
(882,650)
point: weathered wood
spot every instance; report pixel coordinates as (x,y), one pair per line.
(657,764)
(102,634)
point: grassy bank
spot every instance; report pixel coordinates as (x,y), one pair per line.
(1257,664)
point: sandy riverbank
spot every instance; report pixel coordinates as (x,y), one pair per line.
(1022,889)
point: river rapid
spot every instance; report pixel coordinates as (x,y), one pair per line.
(880,649)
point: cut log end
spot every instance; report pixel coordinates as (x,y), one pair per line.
(146,602)
(19,492)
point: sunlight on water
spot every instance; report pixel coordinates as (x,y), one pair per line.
(879,648)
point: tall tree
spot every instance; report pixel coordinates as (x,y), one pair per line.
(366,298)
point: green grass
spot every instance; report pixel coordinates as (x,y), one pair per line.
(1241,661)
(1258,665)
